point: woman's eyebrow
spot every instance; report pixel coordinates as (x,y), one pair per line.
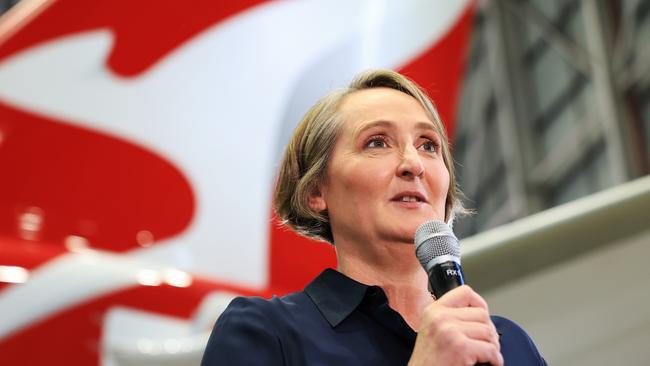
(380,123)
(389,124)
(426,126)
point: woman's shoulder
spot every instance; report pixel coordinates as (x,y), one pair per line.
(242,308)
(259,306)
(506,324)
(517,346)
(277,314)
(252,323)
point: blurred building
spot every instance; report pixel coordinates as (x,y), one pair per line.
(555,105)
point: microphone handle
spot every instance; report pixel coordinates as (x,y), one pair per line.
(444,277)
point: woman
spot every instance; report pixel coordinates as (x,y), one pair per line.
(365,167)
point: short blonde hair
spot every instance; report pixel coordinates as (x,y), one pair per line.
(304,166)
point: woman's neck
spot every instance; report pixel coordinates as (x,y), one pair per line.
(395,269)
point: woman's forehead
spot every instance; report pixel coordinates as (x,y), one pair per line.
(382,107)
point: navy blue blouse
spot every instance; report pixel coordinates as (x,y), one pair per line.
(334,321)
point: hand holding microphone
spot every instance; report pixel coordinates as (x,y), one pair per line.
(456,329)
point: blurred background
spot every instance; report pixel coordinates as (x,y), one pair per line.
(139,142)
(555,105)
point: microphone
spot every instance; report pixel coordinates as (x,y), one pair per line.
(438,251)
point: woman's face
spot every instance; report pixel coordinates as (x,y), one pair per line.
(386,175)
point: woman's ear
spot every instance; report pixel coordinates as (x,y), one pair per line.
(317,200)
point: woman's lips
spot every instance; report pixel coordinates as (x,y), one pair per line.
(409,199)
(416,204)
(408,196)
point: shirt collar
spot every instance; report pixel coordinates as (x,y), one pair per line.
(335,295)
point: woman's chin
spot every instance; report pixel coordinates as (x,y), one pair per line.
(405,234)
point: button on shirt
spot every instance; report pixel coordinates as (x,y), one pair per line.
(334,321)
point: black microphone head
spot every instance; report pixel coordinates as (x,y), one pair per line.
(435,243)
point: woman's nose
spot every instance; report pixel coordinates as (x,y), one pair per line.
(411,164)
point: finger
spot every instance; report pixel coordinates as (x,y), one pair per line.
(479,332)
(451,332)
(445,324)
(463,296)
(437,315)
(475,314)
(482,352)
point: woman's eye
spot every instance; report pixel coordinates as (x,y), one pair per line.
(429,146)
(376,142)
